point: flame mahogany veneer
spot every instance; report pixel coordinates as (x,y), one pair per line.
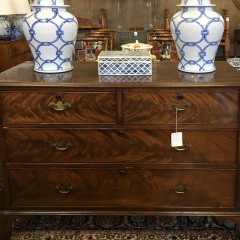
(72,144)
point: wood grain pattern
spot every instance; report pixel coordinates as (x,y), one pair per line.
(16,48)
(119,146)
(155,107)
(145,188)
(86,107)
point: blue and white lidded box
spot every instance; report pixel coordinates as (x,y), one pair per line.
(124,63)
(125,78)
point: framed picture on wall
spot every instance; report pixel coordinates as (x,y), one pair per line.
(91,54)
(81,55)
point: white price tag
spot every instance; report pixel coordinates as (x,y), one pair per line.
(135,34)
(176,139)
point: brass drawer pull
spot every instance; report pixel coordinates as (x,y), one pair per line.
(180,106)
(62,145)
(183,147)
(180,189)
(64,189)
(59,106)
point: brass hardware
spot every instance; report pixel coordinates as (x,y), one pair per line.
(59,106)
(62,145)
(180,97)
(184,147)
(122,173)
(58,97)
(180,189)
(121,133)
(64,189)
(180,106)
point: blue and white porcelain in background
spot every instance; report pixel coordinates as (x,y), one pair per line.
(197,31)
(51,32)
(16,27)
(5,28)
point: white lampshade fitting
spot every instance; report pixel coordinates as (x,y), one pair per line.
(5,28)
(6,7)
(21,6)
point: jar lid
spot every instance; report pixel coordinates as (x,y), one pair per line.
(195,3)
(52,6)
(48,3)
(137,46)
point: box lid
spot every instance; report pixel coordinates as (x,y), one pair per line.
(128,56)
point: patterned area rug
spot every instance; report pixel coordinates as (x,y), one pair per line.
(123,227)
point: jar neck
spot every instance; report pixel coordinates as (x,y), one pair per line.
(197,8)
(196,2)
(55,9)
(51,2)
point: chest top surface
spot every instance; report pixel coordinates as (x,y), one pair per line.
(85,75)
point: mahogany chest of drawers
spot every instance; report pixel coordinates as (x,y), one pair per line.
(73,144)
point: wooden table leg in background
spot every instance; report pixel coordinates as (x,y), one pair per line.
(6,226)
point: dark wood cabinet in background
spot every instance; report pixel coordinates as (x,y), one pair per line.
(124,37)
(13,53)
(83,146)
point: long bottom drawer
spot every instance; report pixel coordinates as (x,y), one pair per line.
(112,187)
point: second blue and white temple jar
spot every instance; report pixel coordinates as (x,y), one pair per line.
(197,31)
(51,34)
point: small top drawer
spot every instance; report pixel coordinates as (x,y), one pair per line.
(18,47)
(193,107)
(72,107)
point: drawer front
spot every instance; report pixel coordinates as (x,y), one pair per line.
(197,107)
(118,146)
(18,47)
(82,107)
(141,189)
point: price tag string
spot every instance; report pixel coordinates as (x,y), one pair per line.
(176,120)
(176,137)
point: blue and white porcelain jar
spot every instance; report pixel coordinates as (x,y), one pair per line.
(197,31)
(16,27)
(51,33)
(5,28)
